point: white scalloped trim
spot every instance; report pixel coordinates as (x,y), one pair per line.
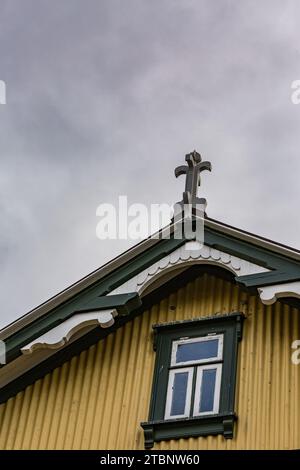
(61,334)
(270,294)
(190,253)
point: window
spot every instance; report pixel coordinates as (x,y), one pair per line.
(194,378)
(207,390)
(200,381)
(179,393)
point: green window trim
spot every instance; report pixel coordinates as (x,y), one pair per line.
(157,428)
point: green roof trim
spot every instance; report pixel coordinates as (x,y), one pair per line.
(283,269)
(91,298)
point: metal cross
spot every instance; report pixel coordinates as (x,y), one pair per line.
(192,171)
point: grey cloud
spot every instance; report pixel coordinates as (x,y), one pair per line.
(105,98)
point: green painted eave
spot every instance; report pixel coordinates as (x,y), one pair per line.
(91,298)
(95,297)
(283,269)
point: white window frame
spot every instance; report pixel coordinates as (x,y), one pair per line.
(187,407)
(198,339)
(197,398)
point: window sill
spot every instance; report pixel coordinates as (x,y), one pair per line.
(209,425)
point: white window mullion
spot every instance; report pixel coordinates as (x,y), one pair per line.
(171,390)
(199,389)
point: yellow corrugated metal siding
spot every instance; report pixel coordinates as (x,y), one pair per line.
(98,399)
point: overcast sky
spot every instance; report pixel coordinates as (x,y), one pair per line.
(105,97)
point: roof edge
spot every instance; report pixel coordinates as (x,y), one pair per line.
(128,255)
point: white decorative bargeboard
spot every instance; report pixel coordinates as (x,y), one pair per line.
(269,294)
(61,334)
(190,253)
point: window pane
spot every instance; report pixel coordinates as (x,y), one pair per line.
(179,393)
(197,350)
(207,390)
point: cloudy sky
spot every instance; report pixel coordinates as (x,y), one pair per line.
(105,97)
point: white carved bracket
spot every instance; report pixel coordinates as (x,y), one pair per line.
(61,334)
(270,294)
(190,253)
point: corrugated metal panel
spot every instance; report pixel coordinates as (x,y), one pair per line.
(98,399)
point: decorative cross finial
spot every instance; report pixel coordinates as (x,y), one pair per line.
(192,171)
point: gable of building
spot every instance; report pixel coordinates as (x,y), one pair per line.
(116,293)
(97,398)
